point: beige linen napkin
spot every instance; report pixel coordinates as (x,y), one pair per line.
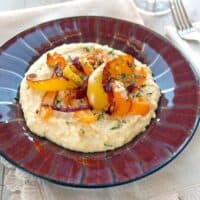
(13,22)
(173,180)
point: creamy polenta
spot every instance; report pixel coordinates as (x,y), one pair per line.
(120,105)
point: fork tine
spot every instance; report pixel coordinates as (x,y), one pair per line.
(185,17)
(175,15)
(179,15)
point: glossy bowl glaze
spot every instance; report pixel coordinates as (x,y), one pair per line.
(166,136)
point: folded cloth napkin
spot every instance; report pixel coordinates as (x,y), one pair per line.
(13,22)
(190,49)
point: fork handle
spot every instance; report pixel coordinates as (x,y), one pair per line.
(194,36)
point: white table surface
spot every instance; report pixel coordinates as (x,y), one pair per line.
(20,4)
(155,23)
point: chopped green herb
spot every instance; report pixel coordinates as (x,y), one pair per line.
(57,102)
(138,94)
(149,93)
(111,53)
(86,62)
(82,101)
(101,115)
(69,58)
(68,123)
(118,125)
(144,85)
(139,76)
(107,145)
(115,127)
(82,77)
(82,131)
(123,76)
(94,112)
(133,65)
(87,49)
(124,121)
(132,82)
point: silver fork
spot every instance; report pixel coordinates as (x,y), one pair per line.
(184,27)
